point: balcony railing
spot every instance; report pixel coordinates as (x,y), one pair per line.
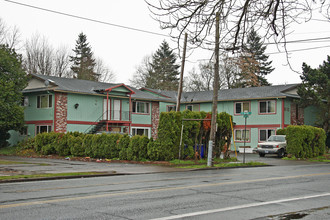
(116,115)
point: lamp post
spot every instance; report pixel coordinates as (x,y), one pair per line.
(245,115)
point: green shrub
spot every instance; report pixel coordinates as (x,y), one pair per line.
(123,146)
(76,145)
(155,152)
(87,145)
(281,131)
(133,148)
(305,141)
(43,139)
(143,148)
(61,144)
(47,149)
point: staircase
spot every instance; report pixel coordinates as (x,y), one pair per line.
(96,127)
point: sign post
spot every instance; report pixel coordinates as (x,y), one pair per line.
(245,115)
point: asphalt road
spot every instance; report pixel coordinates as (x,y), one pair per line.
(296,190)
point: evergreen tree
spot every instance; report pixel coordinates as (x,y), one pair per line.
(13,80)
(315,90)
(83,61)
(254,63)
(164,72)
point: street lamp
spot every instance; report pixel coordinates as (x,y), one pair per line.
(245,115)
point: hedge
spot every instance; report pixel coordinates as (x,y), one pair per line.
(123,147)
(305,141)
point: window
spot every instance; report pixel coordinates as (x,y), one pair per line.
(25,101)
(239,135)
(43,128)
(141,107)
(241,107)
(44,101)
(140,131)
(24,131)
(264,134)
(193,108)
(267,107)
(170,108)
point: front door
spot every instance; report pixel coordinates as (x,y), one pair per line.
(116,109)
(105,109)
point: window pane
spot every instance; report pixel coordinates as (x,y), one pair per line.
(238,135)
(50,101)
(263,136)
(246,106)
(44,101)
(146,107)
(190,107)
(38,101)
(262,106)
(140,131)
(43,129)
(271,106)
(247,135)
(238,108)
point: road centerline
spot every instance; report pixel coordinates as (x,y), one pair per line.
(14,205)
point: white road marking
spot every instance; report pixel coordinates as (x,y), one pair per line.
(240,207)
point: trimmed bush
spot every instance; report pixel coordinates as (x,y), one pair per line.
(281,131)
(123,144)
(61,145)
(305,141)
(76,146)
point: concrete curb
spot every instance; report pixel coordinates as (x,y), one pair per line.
(118,174)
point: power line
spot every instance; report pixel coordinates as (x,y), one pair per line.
(311,48)
(297,41)
(87,19)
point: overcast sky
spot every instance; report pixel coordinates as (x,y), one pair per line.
(123,49)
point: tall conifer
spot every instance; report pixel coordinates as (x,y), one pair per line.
(83,61)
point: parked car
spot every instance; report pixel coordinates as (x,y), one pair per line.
(276,144)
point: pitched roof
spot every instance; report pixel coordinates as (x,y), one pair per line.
(263,92)
(87,87)
(91,87)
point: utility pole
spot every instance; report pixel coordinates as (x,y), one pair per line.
(182,70)
(215,92)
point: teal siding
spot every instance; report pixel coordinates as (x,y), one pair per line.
(90,107)
(32,113)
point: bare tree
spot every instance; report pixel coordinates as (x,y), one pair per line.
(104,72)
(238,17)
(141,73)
(39,56)
(62,62)
(9,35)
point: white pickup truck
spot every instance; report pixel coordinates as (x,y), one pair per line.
(276,144)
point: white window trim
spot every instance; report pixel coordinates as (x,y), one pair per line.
(47,101)
(145,128)
(147,107)
(242,106)
(48,125)
(265,113)
(248,137)
(266,129)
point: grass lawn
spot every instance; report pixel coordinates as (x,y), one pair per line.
(8,151)
(324,158)
(200,166)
